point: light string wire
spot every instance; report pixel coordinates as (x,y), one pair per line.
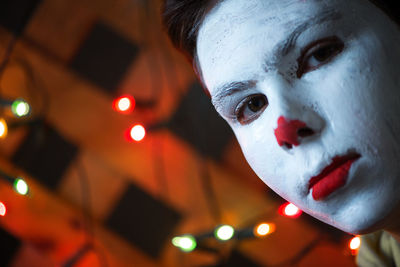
(7,54)
(30,10)
(86,195)
(4,62)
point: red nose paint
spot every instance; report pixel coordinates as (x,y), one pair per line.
(287,131)
(332,177)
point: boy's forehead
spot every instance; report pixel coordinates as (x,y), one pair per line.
(235,16)
(263,11)
(234,24)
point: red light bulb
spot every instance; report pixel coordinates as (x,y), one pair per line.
(289,210)
(124,104)
(137,132)
(3,209)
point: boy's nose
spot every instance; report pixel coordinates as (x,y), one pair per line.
(289,132)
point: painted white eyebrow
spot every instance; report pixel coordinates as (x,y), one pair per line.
(280,50)
(287,45)
(231,89)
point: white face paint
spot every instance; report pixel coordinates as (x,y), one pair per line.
(331,64)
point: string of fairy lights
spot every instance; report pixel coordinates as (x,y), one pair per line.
(12,109)
(17,108)
(225,233)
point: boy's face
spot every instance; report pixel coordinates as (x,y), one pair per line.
(329,68)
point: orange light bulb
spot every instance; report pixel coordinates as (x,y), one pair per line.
(264,229)
(355,243)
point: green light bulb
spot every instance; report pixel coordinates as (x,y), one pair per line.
(21,186)
(186,243)
(20,108)
(224,232)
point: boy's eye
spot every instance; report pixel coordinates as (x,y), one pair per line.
(318,53)
(251,108)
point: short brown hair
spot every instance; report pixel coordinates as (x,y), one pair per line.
(182,20)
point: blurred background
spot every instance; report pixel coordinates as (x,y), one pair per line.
(110,150)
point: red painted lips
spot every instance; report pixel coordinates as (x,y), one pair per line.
(332,177)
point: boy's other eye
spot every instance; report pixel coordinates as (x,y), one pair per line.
(250,108)
(318,53)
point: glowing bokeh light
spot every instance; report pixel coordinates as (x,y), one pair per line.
(21,186)
(264,229)
(124,104)
(176,241)
(290,210)
(137,132)
(355,243)
(186,243)
(3,128)
(3,209)
(224,232)
(20,108)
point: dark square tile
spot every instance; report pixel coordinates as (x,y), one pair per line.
(104,57)
(236,259)
(45,154)
(197,122)
(15,14)
(9,245)
(143,220)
